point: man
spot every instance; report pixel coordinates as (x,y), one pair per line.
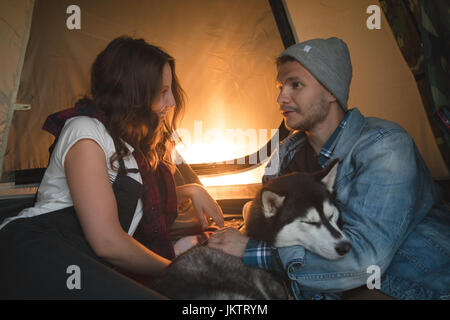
(386,196)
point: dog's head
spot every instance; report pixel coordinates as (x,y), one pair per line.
(301,211)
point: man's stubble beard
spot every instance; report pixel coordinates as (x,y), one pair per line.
(315,113)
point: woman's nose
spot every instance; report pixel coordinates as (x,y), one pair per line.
(171,100)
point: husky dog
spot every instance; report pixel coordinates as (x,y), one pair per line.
(205,273)
(294,209)
(298,209)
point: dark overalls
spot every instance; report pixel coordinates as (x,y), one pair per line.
(41,256)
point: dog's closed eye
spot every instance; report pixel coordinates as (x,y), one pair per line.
(314,223)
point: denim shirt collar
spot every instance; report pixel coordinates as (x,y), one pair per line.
(343,143)
(349,136)
(327,150)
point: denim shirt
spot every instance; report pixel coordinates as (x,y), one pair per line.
(392,213)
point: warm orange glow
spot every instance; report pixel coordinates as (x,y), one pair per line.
(247,177)
(220,153)
(209,153)
(220,145)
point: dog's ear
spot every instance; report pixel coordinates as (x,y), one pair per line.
(271,202)
(328,180)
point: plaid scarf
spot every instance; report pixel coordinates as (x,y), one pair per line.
(159,199)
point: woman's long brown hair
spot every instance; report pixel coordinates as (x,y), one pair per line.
(126,79)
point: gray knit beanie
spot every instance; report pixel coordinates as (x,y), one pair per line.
(328,60)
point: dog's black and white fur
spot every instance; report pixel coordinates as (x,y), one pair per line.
(295,209)
(298,209)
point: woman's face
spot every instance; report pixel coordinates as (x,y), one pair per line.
(165,98)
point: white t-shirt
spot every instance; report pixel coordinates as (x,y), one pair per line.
(53,193)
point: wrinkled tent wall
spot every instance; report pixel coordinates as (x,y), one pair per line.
(382,85)
(405,18)
(15,22)
(435,29)
(224,50)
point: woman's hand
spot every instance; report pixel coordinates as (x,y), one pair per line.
(203,203)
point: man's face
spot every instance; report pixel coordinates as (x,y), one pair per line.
(302,98)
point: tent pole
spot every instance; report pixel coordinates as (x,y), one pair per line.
(282,18)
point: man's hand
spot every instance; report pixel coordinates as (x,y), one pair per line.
(229,240)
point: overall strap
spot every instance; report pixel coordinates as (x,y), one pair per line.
(122,168)
(127,192)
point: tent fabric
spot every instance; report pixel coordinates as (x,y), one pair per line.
(382,85)
(225,53)
(435,29)
(15,23)
(405,21)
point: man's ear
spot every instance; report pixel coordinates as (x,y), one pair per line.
(271,202)
(328,180)
(330,97)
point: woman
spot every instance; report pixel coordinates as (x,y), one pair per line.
(109,178)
